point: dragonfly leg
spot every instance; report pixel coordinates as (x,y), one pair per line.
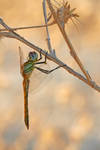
(43,62)
(46,57)
(48,71)
(40,56)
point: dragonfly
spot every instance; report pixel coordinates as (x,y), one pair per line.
(26,70)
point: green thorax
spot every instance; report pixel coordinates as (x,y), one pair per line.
(28,67)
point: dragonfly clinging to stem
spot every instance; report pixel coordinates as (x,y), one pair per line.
(26,70)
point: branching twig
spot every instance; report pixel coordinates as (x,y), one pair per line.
(48,37)
(12,34)
(72,50)
(29,27)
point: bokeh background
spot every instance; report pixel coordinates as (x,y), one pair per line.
(64,112)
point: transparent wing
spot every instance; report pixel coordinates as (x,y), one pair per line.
(21,60)
(39,79)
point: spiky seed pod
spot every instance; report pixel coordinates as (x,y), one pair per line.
(64,12)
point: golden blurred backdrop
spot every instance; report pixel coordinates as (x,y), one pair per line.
(64,112)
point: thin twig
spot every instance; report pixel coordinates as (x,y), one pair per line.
(72,50)
(29,27)
(48,37)
(12,34)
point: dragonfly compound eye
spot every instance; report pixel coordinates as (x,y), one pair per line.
(33,56)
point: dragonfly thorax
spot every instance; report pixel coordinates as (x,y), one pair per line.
(33,56)
(28,68)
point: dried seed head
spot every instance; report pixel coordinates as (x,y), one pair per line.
(64,12)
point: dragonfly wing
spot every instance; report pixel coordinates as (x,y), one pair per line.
(39,79)
(26,90)
(21,60)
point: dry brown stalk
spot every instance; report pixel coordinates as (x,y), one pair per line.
(29,27)
(61,16)
(47,30)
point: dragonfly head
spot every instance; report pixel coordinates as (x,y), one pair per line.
(33,56)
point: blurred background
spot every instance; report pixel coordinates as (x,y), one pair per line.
(64,112)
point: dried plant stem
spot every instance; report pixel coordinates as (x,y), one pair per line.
(12,34)
(72,50)
(47,31)
(29,27)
